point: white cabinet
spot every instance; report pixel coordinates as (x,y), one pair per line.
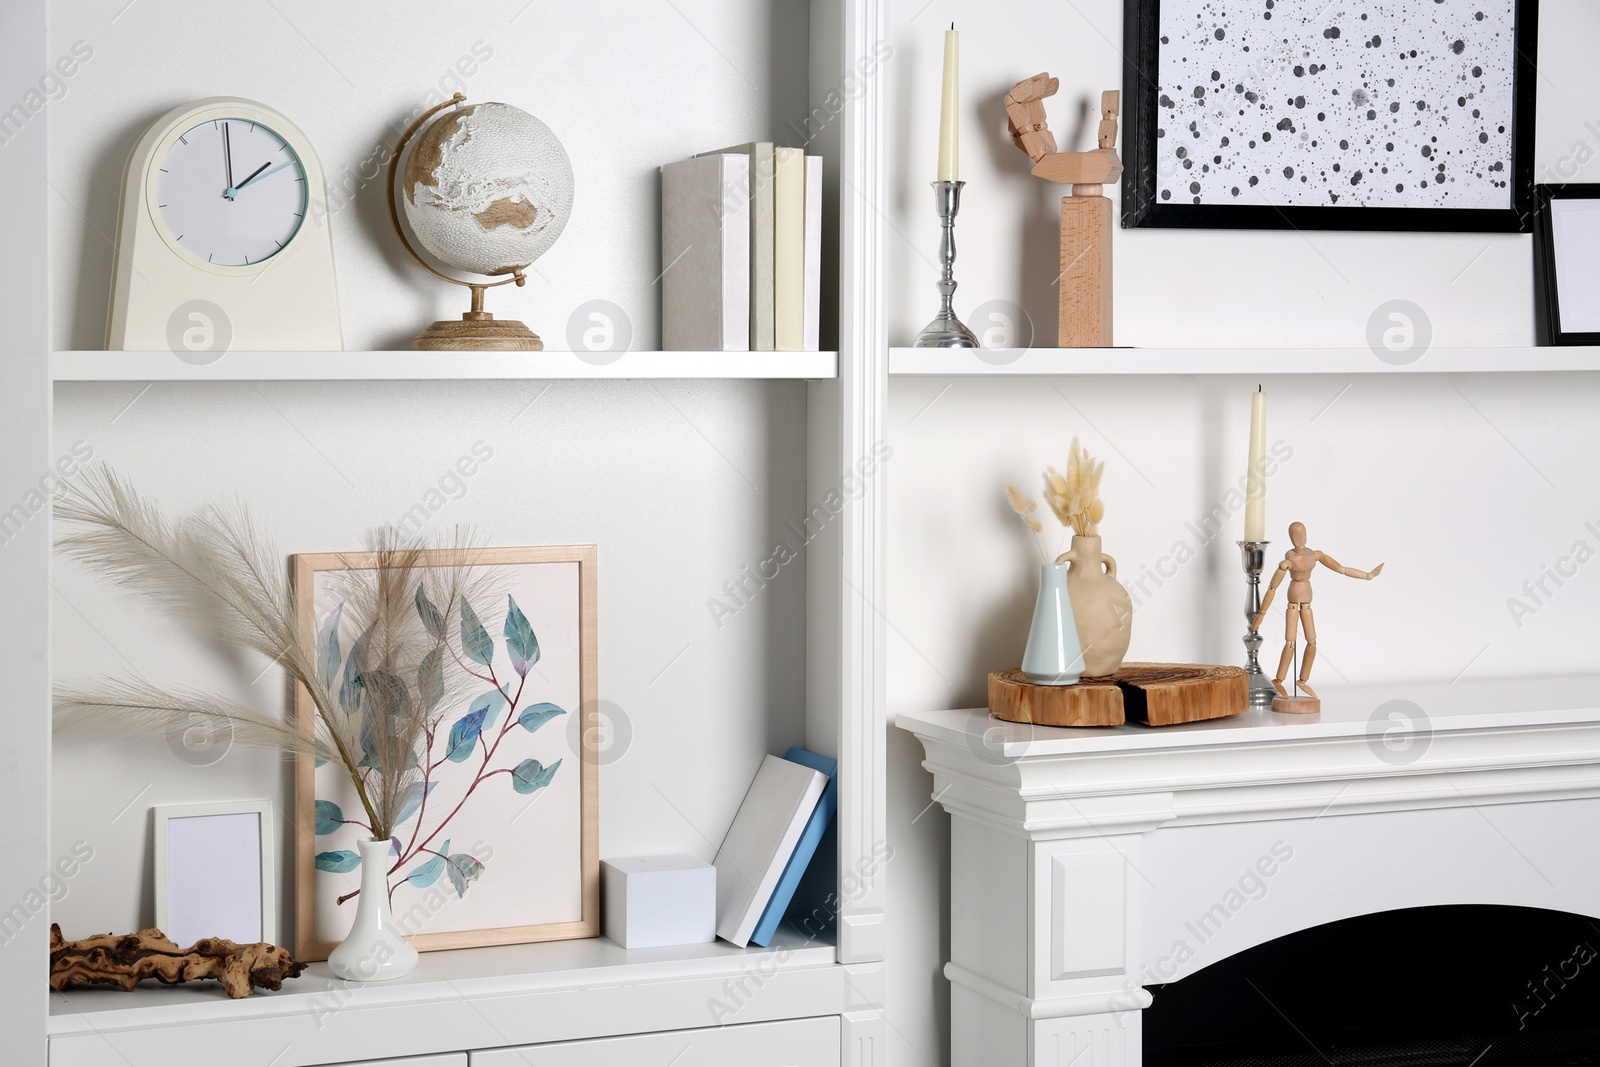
(447,1059)
(793,1043)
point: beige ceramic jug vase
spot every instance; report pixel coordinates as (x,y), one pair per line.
(1102,608)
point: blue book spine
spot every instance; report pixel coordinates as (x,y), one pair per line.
(821,816)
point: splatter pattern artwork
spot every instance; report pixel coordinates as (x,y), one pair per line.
(1384,103)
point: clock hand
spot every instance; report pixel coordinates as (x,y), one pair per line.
(227,161)
(252,177)
(264,177)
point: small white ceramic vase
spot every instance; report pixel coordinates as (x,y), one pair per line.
(374,950)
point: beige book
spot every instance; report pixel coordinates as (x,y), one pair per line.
(789,250)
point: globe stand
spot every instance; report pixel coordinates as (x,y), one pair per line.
(476,330)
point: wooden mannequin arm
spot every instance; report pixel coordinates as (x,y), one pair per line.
(1349,572)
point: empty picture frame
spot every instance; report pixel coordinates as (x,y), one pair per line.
(1566,264)
(1311,114)
(215,871)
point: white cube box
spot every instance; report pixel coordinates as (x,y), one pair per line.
(651,901)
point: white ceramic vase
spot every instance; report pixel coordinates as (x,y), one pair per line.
(374,950)
(1054,655)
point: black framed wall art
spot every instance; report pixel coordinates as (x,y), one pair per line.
(1566,264)
(1342,115)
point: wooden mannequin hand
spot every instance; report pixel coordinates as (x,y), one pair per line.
(1374,572)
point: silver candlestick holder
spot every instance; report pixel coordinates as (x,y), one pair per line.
(947,331)
(1254,555)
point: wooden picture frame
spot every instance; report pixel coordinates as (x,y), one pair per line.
(1566,256)
(1388,134)
(192,901)
(566,628)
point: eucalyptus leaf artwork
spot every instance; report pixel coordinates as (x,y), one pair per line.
(483,735)
(493,831)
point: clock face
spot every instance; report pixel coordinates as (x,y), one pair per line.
(231,192)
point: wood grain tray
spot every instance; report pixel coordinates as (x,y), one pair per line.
(1155,694)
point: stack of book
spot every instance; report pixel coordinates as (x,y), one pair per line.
(741,251)
(772,841)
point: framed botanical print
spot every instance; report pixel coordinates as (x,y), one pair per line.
(1310,114)
(1566,264)
(497,840)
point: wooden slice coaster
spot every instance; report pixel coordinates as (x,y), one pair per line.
(1155,694)
(1094,702)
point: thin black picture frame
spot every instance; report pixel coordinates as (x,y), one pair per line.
(1141,206)
(1546,268)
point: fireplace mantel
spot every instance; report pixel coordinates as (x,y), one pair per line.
(1088,864)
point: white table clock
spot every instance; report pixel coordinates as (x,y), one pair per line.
(223,239)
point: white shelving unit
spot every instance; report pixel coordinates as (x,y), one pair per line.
(470,998)
(956,362)
(439,367)
(461,1003)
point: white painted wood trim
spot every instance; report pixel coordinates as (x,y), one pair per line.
(436,366)
(946,362)
(25,553)
(846,585)
(1407,777)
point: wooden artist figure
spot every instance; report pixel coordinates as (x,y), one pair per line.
(1298,563)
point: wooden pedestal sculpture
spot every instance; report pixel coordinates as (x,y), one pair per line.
(1084,319)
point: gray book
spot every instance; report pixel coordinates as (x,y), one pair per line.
(761,286)
(705,254)
(760,841)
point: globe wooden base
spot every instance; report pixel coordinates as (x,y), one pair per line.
(1155,694)
(478,331)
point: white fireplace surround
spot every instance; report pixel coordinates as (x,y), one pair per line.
(1088,864)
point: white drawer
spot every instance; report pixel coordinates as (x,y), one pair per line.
(793,1043)
(444,1059)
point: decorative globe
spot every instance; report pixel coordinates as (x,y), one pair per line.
(488,188)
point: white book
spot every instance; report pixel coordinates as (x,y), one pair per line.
(813,302)
(705,254)
(758,844)
(760,188)
(789,250)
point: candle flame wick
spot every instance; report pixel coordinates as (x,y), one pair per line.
(952,25)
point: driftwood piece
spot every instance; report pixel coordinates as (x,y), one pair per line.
(125,960)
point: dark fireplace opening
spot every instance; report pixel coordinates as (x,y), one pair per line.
(1449,986)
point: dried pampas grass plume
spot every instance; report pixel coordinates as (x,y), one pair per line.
(1075,496)
(1026,508)
(216,567)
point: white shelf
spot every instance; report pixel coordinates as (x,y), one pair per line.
(435,366)
(956,362)
(1346,713)
(469,998)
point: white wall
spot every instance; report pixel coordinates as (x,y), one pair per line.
(1464,485)
(1180,288)
(680,484)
